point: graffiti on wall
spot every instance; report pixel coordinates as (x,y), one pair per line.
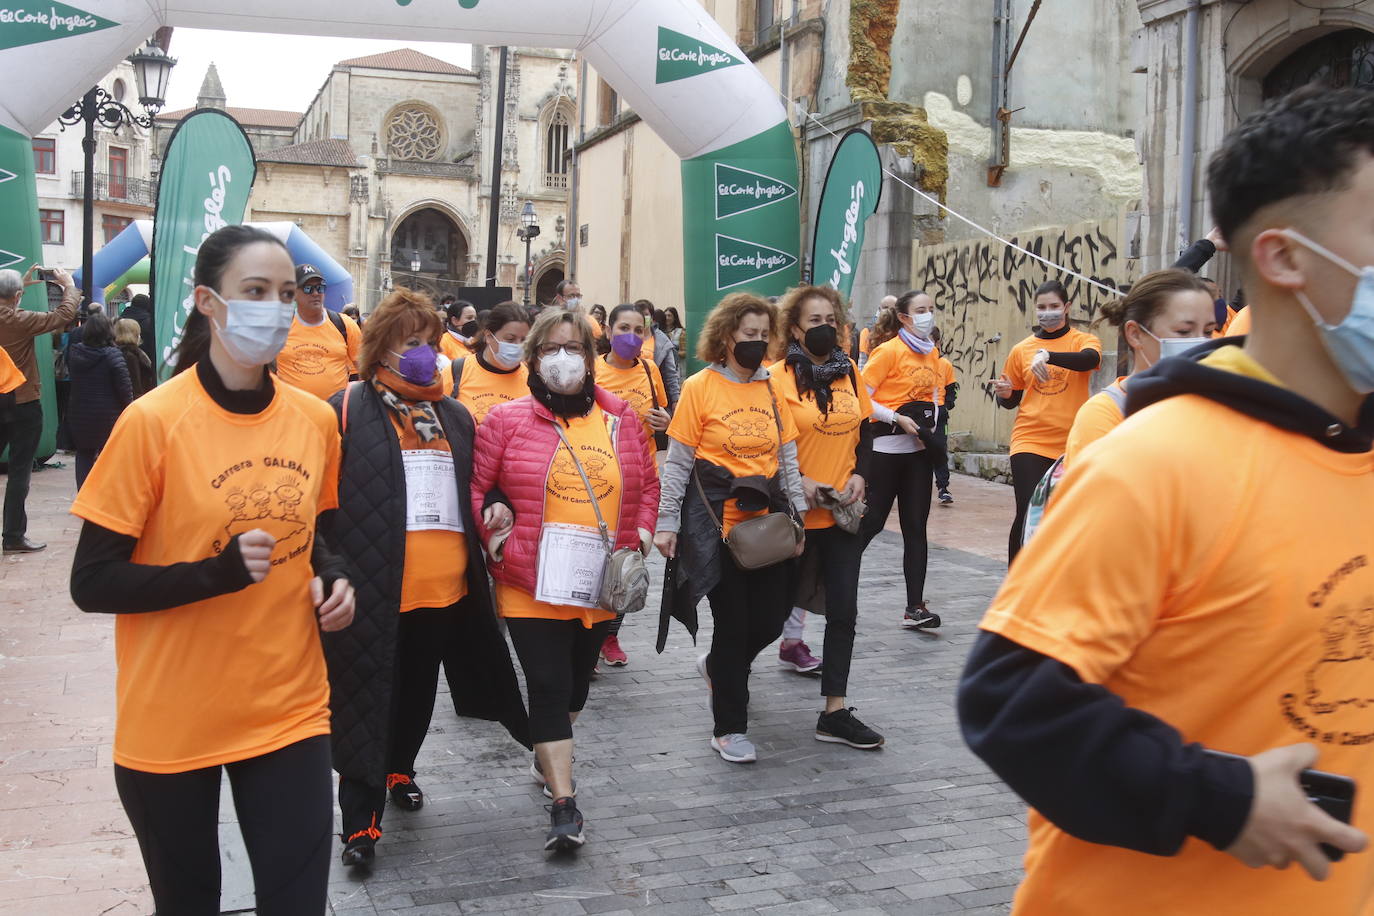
(984,294)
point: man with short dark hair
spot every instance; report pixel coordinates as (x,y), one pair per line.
(321,352)
(21,423)
(1190,627)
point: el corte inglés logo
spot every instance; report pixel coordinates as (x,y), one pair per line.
(740,190)
(681,56)
(30,25)
(739,261)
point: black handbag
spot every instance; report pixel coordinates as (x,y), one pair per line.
(660,438)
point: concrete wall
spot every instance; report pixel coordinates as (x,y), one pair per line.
(601,208)
(984,296)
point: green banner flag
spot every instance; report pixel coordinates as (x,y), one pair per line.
(681,56)
(29,25)
(853,186)
(20,249)
(739,222)
(207,173)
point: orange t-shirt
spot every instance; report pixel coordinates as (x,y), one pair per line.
(566,503)
(1099,415)
(731,424)
(1239,325)
(317,359)
(650,346)
(451,347)
(436,564)
(632,386)
(1232,609)
(482,389)
(10,375)
(899,375)
(242,674)
(1047,408)
(825,442)
(863,341)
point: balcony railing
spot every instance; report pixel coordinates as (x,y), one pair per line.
(137,191)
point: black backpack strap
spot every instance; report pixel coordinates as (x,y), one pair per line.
(337,320)
(457,366)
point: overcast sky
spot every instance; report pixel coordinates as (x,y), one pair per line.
(275,71)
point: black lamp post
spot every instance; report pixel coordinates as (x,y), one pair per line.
(152,67)
(529,229)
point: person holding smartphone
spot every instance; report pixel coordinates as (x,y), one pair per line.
(1180,598)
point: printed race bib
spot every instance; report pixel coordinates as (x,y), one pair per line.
(572,560)
(431,491)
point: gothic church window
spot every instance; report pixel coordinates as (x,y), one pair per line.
(414,132)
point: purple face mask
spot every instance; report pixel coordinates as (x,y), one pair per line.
(418,364)
(627,346)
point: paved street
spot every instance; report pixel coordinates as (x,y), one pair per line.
(919,827)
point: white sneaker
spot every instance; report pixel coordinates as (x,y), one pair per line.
(735,748)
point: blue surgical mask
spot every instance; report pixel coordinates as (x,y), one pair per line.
(254,330)
(509,354)
(1350,343)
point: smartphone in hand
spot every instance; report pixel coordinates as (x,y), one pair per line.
(1333,793)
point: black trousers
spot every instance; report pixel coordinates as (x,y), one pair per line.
(283,804)
(905,479)
(1026,471)
(613,628)
(557,657)
(838,552)
(942,469)
(419,655)
(85,460)
(21,427)
(748,609)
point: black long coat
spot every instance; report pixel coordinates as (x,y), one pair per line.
(369,532)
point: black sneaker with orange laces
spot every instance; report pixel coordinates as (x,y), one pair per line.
(361,846)
(405,794)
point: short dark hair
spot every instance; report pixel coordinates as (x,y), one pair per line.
(1055,287)
(455,308)
(905,299)
(1305,142)
(99,331)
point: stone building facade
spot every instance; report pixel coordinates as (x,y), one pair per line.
(390,169)
(1059,171)
(1246,54)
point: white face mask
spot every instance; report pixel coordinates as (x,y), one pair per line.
(508,354)
(573,302)
(923,323)
(1173,346)
(1049,319)
(563,372)
(254,330)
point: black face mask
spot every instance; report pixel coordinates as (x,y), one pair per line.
(469,330)
(750,353)
(820,340)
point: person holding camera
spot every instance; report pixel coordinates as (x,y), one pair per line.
(21,423)
(557,474)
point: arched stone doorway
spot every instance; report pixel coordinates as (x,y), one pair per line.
(1336,60)
(432,238)
(545,287)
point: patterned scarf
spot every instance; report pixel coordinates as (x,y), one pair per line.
(414,406)
(817,379)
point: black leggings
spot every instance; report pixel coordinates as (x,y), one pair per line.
(748,608)
(558,657)
(419,653)
(905,479)
(284,802)
(838,552)
(1026,471)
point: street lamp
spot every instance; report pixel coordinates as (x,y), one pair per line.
(152,67)
(529,229)
(415,263)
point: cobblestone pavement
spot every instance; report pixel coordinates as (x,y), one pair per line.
(918,827)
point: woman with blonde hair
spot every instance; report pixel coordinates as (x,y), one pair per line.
(564,469)
(407,530)
(732,457)
(129,339)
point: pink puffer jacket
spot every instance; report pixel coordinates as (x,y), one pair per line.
(515,448)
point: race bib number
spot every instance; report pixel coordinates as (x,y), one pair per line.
(431,491)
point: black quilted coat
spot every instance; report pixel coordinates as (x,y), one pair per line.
(369,533)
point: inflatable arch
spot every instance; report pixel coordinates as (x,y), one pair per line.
(668,59)
(127,250)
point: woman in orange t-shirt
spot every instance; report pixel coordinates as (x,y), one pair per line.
(625,374)
(406,529)
(1047,375)
(820,386)
(491,373)
(1173,305)
(460,326)
(200,532)
(732,456)
(545,458)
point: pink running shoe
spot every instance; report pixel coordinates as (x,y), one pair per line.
(612,654)
(799,658)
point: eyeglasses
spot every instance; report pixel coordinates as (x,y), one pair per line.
(311,288)
(549,349)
